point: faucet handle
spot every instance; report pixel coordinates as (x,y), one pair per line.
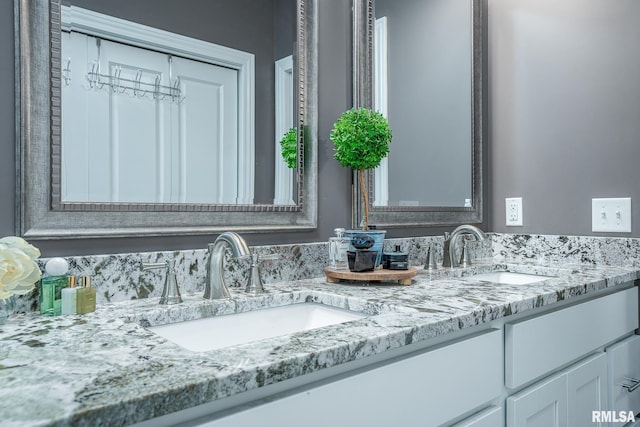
(170,292)
(255,286)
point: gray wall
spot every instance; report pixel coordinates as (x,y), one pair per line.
(429,67)
(564,93)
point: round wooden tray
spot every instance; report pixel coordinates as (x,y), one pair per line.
(402,276)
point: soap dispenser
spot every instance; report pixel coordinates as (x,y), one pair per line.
(51,286)
(69,296)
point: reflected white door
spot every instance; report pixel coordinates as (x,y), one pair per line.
(205,128)
(130,146)
(381,101)
(284,122)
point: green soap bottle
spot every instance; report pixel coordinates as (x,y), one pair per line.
(51,286)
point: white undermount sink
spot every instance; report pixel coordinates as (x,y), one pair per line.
(508,278)
(234,329)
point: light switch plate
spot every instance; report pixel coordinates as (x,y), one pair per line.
(611,215)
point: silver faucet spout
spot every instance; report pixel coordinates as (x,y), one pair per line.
(449,258)
(215,286)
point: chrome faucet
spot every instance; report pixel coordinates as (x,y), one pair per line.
(215,287)
(451,242)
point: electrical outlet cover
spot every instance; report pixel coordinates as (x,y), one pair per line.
(514,211)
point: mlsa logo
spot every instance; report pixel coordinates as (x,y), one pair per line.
(612,416)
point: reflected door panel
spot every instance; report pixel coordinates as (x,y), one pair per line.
(206,153)
(101,163)
(128,145)
(284,182)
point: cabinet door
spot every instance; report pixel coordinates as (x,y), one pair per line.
(624,369)
(541,405)
(587,391)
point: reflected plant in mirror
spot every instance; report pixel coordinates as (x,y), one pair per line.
(289,148)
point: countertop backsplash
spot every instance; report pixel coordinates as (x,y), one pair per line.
(550,249)
(119,277)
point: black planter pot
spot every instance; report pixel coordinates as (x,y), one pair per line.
(378,237)
(361,261)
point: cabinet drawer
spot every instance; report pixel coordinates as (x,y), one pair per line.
(623,361)
(540,345)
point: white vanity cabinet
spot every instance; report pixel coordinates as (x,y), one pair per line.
(545,348)
(429,388)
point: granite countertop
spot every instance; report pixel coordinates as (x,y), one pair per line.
(105,368)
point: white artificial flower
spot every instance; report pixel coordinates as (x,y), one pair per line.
(18,269)
(20,243)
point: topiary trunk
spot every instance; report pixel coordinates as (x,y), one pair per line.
(363,188)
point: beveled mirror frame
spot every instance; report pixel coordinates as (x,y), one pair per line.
(38,131)
(418,216)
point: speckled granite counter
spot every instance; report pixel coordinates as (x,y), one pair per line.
(106,369)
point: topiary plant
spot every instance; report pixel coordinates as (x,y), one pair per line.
(361,138)
(289,147)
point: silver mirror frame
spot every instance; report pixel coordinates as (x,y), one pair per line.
(418,216)
(40,215)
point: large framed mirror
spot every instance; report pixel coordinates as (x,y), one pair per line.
(162,117)
(420,63)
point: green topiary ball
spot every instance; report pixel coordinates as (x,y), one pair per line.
(289,146)
(361,138)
